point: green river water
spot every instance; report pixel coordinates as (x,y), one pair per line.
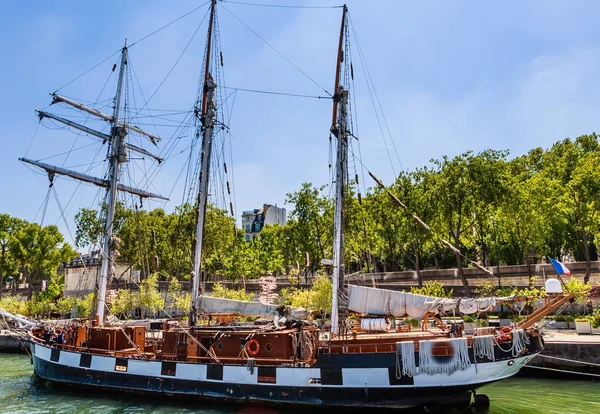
(21,392)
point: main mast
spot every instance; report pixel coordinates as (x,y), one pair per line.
(118,155)
(340,131)
(207,118)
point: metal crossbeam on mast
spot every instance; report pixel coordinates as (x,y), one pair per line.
(104,137)
(91,179)
(58,98)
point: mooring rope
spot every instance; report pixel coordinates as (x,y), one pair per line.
(564,371)
(570,360)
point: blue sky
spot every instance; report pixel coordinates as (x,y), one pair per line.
(450,76)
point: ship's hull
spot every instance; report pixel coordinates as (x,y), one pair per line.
(363,380)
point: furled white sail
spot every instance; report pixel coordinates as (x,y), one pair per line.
(374,301)
(212,305)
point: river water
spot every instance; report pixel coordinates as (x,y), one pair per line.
(21,392)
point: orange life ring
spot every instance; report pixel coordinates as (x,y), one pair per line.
(252,347)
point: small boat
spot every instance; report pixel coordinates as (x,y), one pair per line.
(364,360)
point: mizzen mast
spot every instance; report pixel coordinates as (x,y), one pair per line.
(206,115)
(339,128)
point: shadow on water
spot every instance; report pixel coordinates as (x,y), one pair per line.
(22,392)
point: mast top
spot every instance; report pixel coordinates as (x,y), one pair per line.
(338,70)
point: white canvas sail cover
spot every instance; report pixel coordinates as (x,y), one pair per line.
(212,305)
(373,301)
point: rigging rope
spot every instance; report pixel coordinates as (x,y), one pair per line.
(169,24)
(174,65)
(373,92)
(426,227)
(282,6)
(277,51)
(279,93)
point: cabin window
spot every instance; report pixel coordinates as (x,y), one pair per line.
(55,354)
(168,368)
(156,326)
(267,375)
(269,347)
(331,376)
(214,372)
(85,360)
(121,365)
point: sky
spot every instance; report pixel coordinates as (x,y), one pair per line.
(449,77)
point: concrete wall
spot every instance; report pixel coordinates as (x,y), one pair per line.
(9,344)
(568,352)
(79,281)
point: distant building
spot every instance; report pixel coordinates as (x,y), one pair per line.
(254,220)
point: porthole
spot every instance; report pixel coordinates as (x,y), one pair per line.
(269,347)
(511,362)
(220,347)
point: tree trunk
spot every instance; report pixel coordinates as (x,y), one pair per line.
(463,279)
(588,263)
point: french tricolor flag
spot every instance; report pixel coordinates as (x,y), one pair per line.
(560,268)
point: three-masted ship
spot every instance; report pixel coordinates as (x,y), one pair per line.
(289,360)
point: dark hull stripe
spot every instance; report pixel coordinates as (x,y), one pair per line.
(383,397)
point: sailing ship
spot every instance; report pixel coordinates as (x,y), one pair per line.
(288,361)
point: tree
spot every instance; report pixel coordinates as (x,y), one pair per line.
(9,266)
(39,251)
(125,303)
(179,299)
(312,223)
(150,298)
(318,297)
(220,291)
(465,188)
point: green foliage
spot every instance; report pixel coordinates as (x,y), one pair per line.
(486,289)
(150,299)
(507,291)
(14,305)
(491,208)
(318,297)
(579,287)
(40,307)
(220,291)
(85,306)
(411,321)
(469,318)
(310,226)
(595,319)
(432,288)
(65,305)
(179,299)
(564,318)
(125,303)
(39,251)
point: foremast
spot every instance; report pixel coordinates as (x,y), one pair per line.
(339,128)
(206,115)
(117,156)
